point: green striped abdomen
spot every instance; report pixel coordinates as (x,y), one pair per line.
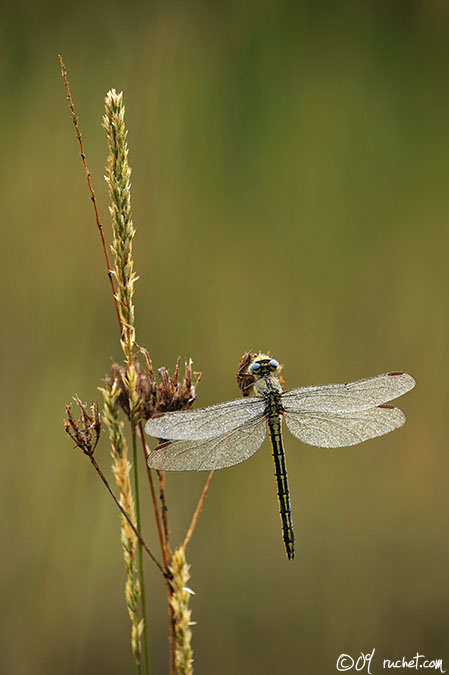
(274,425)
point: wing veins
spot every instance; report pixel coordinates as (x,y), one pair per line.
(349,397)
(205,454)
(354,428)
(203,423)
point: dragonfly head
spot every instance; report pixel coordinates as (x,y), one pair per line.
(255,368)
(263,365)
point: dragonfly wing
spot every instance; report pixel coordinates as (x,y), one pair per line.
(208,454)
(335,430)
(348,397)
(205,423)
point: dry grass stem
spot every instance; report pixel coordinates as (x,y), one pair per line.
(198,509)
(74,119)
(153,493)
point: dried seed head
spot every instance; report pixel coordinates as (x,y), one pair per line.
(175,394)
(85,430)
(170,394)
(145,386)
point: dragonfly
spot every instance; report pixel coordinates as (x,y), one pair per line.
(328,416)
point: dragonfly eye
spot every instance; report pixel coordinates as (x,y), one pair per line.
(274,365)
(254,368)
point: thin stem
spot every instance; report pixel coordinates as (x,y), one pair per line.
(167,559)
(164,511)
(153,494)
(125,515)
(140,552)
(165,549)
(91,190)
(197,511)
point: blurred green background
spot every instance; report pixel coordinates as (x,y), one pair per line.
(290,171)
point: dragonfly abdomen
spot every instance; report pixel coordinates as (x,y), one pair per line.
(274,426)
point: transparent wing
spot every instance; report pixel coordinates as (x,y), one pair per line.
(335,430)
(205,422)
(224,450)
(348,397)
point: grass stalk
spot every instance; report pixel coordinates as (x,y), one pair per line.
(180,604)
(140,398)
(118,180)
(140,554)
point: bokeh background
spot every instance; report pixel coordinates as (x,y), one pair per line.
(290,193)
